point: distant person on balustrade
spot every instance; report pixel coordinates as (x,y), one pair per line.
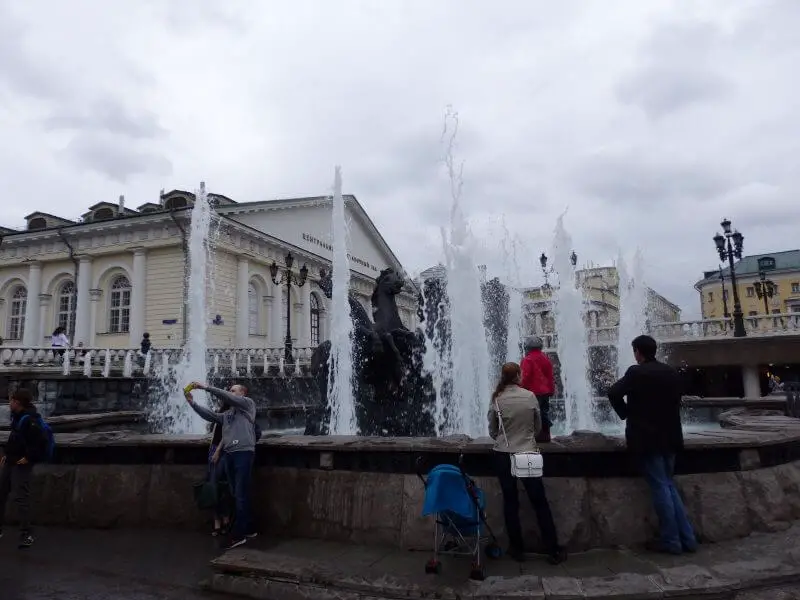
(537,377)
(648,397)
(238,423)
(59,340)
(514,420)
(144,348)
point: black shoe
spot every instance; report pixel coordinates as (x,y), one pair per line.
(251,535)
(557,556)
(25,541)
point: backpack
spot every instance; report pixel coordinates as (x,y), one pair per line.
(50,442)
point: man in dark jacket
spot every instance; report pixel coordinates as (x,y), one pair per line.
(649,397)
(25,447)
(537,377)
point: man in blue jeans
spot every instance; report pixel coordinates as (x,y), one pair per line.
(238,447)
(649,397)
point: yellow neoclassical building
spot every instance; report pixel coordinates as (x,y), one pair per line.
(777,271)
(601,290)
(117,272)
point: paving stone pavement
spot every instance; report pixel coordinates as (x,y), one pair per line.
(168,565)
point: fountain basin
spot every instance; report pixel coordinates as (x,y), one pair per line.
(365,490)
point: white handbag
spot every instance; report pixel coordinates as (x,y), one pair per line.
(523,464)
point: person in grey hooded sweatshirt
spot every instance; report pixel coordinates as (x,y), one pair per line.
(239,448)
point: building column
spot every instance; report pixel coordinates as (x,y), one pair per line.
(304,322)
(752,381)
(275,332)
(266,315)
(138,295)
(243,304)
(84,329)
(95,295)
(32,337)
(44,304)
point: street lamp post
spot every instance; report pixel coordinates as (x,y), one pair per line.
(573,258)
(287,277)
(725,312)
(765,289)
(729,246)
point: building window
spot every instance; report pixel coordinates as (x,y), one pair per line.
(120,312)
(37,223)
(796,287)
(66,308)
(314,320)
(16,315)
(253,312)
(796,308)
(776,311)
(102,214)
(175,203)
(750,291)
(710,296)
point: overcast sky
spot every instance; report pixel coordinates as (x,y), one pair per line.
(650,120)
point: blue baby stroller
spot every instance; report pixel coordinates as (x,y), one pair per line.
(460,526)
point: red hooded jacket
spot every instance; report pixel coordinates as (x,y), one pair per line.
(537,373)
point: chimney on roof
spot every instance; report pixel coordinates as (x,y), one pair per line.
(121,209)
(161,197)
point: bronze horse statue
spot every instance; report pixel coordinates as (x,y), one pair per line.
(383,356)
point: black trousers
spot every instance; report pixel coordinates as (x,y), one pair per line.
(17,479)
(534,487)
(544,407)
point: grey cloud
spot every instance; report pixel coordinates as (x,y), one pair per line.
(677,70)
(107,115)
(114,159)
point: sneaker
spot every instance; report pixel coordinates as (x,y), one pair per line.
(236,543)
(252,535)
(25,540)
(557,556)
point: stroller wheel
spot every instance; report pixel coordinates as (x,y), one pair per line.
(433,567)
(493,551)
(477,573)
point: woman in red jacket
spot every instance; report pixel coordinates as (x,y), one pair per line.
(537,377)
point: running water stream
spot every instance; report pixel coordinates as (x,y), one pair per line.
(632,309)
(340,360)
(573,343)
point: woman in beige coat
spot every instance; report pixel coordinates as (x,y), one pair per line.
(521,421)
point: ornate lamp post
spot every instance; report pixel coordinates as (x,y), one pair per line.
(764,289)
(729,246)
(288,277)
(573,258)
(724,295)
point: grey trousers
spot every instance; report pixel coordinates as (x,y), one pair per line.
(17,479)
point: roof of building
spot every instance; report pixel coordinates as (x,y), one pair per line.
(786,260)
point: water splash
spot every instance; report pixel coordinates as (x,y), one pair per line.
(515,296)
(469,348)
(340,359)
(573,343)
(174,415)
(437,360)
(632,309)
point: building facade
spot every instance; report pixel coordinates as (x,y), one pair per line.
(601,289)
(117,273)
(780,268)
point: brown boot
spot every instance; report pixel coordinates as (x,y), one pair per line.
(544,435)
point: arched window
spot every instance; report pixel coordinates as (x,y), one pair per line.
(175,203)
(119,318)
(101,214)
(254,315)
(37,223)
(16,315)
(66,307)
(314,320)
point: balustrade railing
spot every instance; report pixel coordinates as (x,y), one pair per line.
(243,360)
(130,361)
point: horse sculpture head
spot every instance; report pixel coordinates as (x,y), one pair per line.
(384,306)
(388,283)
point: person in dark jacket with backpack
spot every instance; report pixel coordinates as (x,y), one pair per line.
(649,398)
(26,446)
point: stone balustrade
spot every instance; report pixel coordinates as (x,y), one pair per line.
(129,361)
